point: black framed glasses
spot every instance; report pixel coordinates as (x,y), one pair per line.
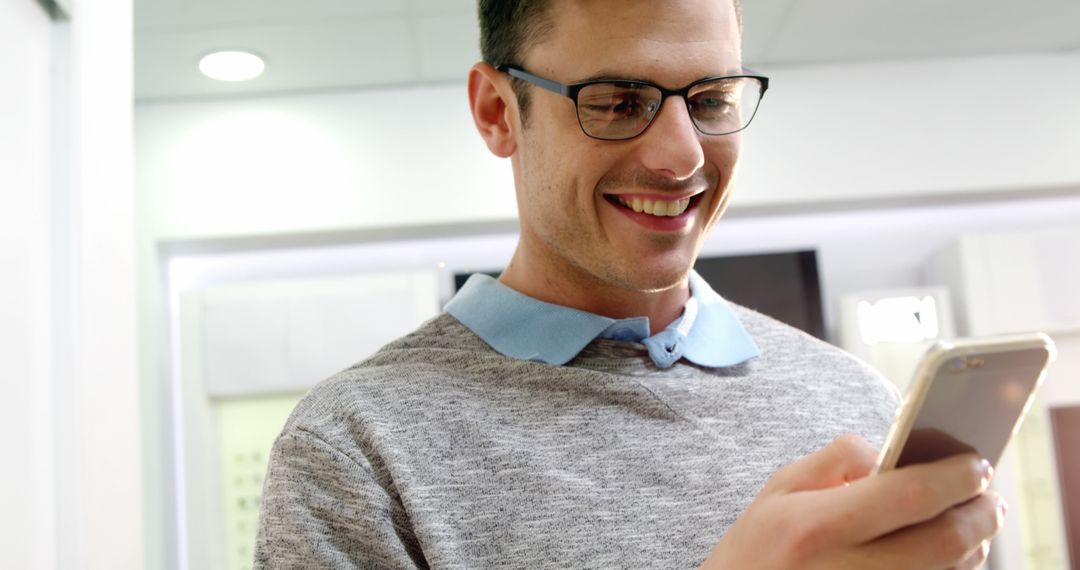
(615,110)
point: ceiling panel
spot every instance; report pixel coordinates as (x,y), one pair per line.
(298,56)
(838,30)
(314,44)
(185,14)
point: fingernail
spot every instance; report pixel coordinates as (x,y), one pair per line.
(1002,508)
(987,473)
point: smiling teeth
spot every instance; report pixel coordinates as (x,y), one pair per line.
(656,207)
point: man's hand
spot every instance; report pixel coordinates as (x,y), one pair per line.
(823,512)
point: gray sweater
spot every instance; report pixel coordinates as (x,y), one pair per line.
(438,452)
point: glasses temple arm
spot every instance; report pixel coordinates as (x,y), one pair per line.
(535,80)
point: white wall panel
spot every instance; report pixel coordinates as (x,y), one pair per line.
(380,158)
(26,480)
(410,156)
(905,130)
(97,408)
(285,336)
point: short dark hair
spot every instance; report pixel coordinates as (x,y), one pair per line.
(509,27)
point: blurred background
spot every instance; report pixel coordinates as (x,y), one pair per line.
(183,255)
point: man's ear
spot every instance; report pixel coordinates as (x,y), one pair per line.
(490,99)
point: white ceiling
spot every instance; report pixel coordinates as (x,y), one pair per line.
(341,44)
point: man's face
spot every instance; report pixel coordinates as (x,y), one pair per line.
(572,189)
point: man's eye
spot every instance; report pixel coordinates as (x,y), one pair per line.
(715,100)
(620,105)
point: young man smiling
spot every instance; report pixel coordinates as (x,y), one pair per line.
(599,406)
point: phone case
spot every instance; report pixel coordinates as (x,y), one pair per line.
(959,352)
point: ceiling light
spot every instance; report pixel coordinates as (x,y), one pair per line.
(232,66)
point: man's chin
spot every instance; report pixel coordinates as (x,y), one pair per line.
(661,285)
(657,279)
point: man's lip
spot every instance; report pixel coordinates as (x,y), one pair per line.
(656,223)
(661,196)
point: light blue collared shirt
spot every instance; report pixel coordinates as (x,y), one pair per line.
(707,333)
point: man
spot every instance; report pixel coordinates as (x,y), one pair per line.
(599,406)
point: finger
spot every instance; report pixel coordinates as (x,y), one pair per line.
(876,506)
(952,539)
(847,458)
(977,558)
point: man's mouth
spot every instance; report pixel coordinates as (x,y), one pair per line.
(654,207)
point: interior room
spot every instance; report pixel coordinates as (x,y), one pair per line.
(186,256)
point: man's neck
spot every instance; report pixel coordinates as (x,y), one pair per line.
(567,285)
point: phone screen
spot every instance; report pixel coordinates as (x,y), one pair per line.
(973,404)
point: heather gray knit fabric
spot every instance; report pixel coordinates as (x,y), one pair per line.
(438,452)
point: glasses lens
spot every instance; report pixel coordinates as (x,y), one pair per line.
(614,111)
(724,106)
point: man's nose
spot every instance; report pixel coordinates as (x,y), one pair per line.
(672,144)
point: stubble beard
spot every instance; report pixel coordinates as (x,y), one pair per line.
(592,267)
(622,274)
(615,268)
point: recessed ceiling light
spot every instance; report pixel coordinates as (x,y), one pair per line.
(232,66)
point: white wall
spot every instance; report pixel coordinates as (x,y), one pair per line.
(103,432)
(340,160)
(409,156)
(98,420)
(70,483)
(908,129)
(26,479)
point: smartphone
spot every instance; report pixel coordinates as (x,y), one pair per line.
(967,395)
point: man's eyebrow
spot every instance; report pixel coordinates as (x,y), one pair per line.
(614,76)
(606,75)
